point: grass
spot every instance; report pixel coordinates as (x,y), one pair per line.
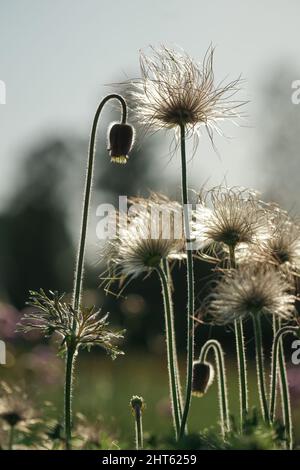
(103,389)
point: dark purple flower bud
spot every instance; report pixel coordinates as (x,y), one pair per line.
(203,376)
(120,141)
(137,404)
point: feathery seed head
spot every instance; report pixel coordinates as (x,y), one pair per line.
(175,90)
(52,315)
(250,289)
(282,245)
(151,231)
(230,217)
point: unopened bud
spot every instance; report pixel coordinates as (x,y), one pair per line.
(203,376)
(137,404)
(120,140)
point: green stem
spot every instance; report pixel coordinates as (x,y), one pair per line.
(260,367)
(278,356)
(274,373)
(11,437)
(87,196)
(138,429)
(190,285)
(79,270)
(241,356)
(285,396)
(223,395)
(242,369)
(71,351)
(176,365)
(170,349)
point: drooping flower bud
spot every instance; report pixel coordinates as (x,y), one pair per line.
(120,140)
(203,377)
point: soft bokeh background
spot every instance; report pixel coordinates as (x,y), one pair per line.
(56,58)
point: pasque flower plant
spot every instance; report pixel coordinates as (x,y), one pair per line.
(80,326)
(256,248)
(251,291)
(175,92)
(231,219)
(147,237)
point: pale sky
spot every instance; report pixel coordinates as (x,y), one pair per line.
(57,55)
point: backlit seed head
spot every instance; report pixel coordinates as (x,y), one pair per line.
(229,217)
(120,141)
(175,90)
(282,244)
(251,289)
(151,231)
(203,376)
(84,327)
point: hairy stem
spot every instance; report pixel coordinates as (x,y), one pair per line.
(166,269)
(87,196)
(274,373)
(190,285)
(223,394)
(71,351)
(278,359)
(242,369)
(170,349)
(139,440)
(260,367)
(79,269)
(241,356)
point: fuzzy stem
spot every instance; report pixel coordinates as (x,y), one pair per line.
(87,196)
(278,356)
(274,374)
(260,367)
(223,395)
(138,429)
(190,286)
(170,349)
(79,270)
(285,396)
(71,351)
(241,356)
(11,437)
(242,369)
(177,372)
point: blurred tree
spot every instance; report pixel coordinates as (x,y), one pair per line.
(37,234)
(36,249)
